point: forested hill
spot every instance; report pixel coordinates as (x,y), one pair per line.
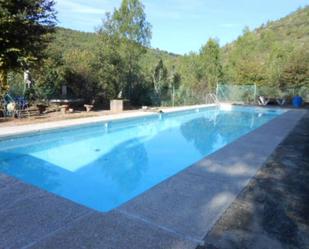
(68,39)
(72,39)
(292,28)
(275,54)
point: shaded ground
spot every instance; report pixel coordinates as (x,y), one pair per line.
(273,210)
(58,116)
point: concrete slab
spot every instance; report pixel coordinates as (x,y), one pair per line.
(187,204)
(113,231)
(28,214)
(6,180)
(14,193)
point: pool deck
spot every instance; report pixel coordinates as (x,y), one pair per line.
(177,213)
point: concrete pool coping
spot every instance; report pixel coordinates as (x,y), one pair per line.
(177,213)
(30,128)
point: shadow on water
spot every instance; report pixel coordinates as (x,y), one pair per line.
(102,184)
(124,164)
(32,170)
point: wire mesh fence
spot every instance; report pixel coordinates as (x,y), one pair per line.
(232,93)
(236,93)
(249,93)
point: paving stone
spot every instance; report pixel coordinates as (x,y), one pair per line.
(113,231)
(6,180)
(14,193)
(30,214)
(186,203)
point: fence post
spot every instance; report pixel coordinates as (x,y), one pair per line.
(254,92)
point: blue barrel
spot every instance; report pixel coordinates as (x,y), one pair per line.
(297,101)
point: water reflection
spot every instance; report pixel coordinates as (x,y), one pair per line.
(209,133)
(203,133)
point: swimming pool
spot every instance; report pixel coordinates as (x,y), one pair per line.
(103,165)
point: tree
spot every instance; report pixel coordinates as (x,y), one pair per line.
(128,23)
(24,26)
(295,73)
(211,63)
(129,34)
(110,67)
(160,78)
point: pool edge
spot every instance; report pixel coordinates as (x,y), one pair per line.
(126,221)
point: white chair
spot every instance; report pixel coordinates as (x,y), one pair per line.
(263,100)
(281,101)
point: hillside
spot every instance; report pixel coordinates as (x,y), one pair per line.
(294,27)
(67,40)
(275,55)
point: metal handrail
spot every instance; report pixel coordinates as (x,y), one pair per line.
(211,98)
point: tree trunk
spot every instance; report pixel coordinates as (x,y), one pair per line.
(4,86)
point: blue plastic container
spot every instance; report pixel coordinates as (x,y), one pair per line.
(297,101)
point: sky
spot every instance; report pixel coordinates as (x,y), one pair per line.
(182,26)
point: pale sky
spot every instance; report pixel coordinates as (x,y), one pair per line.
(181,26)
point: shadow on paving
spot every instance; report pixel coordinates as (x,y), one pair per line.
(273,210)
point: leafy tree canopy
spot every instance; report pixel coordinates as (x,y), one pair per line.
(128,22)
(124,35)
(23,29)
(24,26)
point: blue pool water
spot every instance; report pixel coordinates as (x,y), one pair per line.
(106,164)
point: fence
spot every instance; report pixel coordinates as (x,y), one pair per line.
(248,93)
(236,93)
